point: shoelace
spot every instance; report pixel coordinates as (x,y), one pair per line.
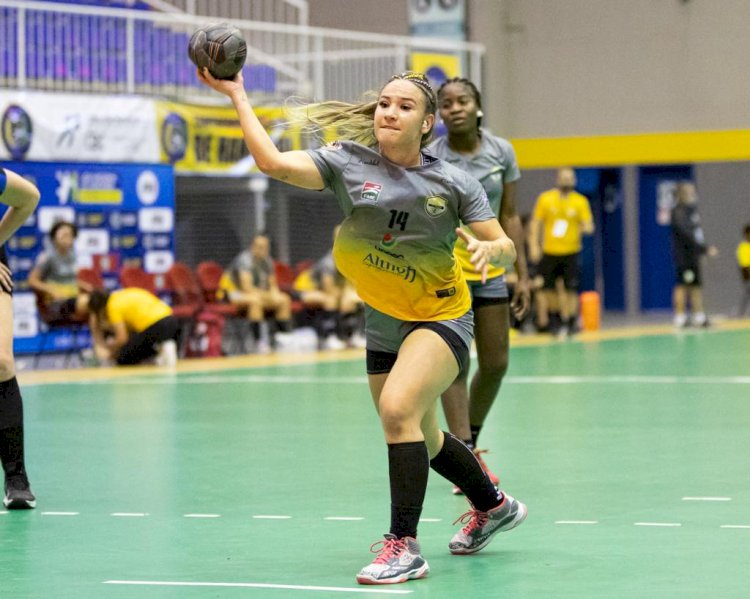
(390,548)
(475,519)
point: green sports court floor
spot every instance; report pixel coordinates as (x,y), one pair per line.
(632,454)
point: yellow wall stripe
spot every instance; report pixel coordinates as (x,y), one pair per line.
(645,148)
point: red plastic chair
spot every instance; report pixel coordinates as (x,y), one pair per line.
(285,276)
(209,275)
(302,266)
(134,276)
(90,278)
(187,299)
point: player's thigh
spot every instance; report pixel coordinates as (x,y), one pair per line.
(6,332)
(425,367)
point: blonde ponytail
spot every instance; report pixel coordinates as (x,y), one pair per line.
(336,120)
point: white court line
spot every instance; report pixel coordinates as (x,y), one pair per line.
(707,499)
(61,513)
(734,526)
(344,518)
(3,513)
(430,519)
(129,514)
(576,522)
(672,524)
(267,517)
(259,585)
(357,380)
(202,515)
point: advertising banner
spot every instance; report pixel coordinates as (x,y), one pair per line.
(45,127)
(124,214)
(208,139)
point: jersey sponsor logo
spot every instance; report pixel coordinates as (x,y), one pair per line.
(388,240)
(371,191)
(407,273)
(443,293)
(435,206)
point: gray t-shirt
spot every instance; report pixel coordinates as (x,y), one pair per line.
(260,270)
(493,165)
(57,268)
(396,243)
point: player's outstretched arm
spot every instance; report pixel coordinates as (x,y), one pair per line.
(296,168)
(22,197)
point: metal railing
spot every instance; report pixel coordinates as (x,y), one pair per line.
(291,12)
(77,48)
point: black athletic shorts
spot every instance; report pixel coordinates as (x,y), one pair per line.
(567,267)
(688,273)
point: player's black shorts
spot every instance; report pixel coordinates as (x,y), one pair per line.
(567,267)
(380,362)
(688,273)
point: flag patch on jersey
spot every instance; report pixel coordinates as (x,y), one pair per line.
(371,191)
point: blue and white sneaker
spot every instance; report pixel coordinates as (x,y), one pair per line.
(398,560)
(482,526)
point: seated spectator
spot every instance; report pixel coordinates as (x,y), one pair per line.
(337,322)
(54,275)
(250,282)
(743,261)
(130,326)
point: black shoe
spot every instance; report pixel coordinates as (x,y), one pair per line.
(18,495)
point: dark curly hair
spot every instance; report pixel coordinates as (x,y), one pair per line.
(59,225)
(472,88)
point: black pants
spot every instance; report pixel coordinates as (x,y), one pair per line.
(142,346)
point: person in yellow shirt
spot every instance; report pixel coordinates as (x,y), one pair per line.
(564,215)
(130,326)
(743,261)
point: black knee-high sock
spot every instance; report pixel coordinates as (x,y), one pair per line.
(408,467)
(11,426)
(457,463)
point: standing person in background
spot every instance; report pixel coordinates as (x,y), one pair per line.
(250,282)
(402,209)
(54,275)
(492,161)
(688,246)
(743,261)
(564,215)
(21,197)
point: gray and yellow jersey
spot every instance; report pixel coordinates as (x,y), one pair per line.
(396,243)
(493,166)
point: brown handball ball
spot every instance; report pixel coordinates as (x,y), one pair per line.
(220,47)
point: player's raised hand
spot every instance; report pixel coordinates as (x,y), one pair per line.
(228,87)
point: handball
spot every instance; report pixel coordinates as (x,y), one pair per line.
(220,47)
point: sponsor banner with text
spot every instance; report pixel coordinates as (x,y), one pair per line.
(208,139)
(45,127)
